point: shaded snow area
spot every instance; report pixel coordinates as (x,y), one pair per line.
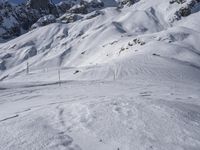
(119,78)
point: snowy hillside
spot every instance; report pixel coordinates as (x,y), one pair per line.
(123,75)
(143,32)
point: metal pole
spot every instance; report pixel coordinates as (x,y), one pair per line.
(27,68)
(114,73)
(59,78)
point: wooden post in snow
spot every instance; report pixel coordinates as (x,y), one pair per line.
(114,73)
(27,68)
(59,77)
(27,65)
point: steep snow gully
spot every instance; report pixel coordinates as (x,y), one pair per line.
(117,78)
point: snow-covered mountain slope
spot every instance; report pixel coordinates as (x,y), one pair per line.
(130,37)
(121,77)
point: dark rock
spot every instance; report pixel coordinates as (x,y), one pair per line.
(77,71)
(154,54)
(185,11)
(82,9)
(2,65)
(69,18)
(6,56)
(43,21)
(38,4)
(23,16)
(128,2)
(63,7)
(177,1)
(44,6)
(30,53)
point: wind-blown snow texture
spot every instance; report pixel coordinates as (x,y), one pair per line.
(129,80)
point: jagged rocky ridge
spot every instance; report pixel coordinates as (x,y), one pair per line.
(17,19)
(187,7)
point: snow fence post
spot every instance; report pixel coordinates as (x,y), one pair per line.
(27,68)
(27,65)
(114,74)
(59,78)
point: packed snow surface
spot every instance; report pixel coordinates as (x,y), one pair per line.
(115,79)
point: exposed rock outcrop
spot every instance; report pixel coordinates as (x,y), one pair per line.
(17,19)
(43,21)
(186,8)
(128,2)
(44,6)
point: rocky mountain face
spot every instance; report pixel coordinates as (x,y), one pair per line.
(128,2)
(18,19)
(44,6)
(187,7)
